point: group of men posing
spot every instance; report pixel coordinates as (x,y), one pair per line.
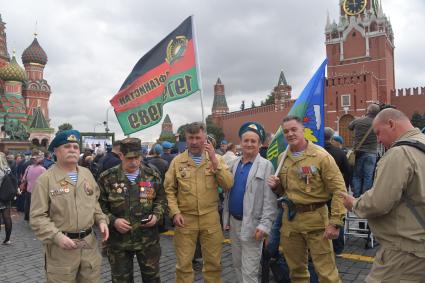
(129,200)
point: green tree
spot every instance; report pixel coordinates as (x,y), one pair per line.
(269,100)
(212,129)
(217,132)
(252,104)
(181,130)
(243,105)
(417,120)
(65,126)
(167,137)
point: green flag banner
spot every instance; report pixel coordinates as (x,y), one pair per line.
(164,74)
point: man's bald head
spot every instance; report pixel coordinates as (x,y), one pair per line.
(391,114)
(389,125)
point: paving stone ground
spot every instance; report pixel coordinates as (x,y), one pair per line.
(23,260)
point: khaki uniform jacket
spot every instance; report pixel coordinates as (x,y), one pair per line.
(400,172)
(192,189)
(324,182)
(58,205)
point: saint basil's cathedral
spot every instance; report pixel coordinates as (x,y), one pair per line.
(360,51)
(24,97)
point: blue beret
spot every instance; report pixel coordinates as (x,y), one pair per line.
(157,149)
(338,139)
(423,130)
(64,137)
(223,142)
(254,127)
(167,145)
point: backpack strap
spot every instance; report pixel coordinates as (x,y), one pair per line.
(409,203)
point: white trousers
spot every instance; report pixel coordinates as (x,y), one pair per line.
(246,255)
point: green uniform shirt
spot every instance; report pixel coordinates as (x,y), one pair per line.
(119,198)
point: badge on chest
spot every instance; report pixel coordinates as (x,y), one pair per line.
(119,188)
(63,188)
(306,173)
(146,191)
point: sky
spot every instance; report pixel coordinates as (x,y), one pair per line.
(93,45)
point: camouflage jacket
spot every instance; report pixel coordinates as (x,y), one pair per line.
(119,198)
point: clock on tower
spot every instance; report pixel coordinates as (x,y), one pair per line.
(354,7)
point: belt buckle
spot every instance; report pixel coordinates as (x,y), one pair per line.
(82,234)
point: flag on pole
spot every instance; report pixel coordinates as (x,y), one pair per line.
(309,106)
(166,73)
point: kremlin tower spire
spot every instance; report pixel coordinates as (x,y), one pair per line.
(219,104)
(281,93)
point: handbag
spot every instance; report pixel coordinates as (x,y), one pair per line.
(351,157)
(8,187)
(351,154)
(24,184)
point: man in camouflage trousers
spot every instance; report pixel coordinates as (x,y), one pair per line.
(134,200)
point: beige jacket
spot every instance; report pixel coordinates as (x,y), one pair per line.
(314,177)
(192,189)
(57,205)
(401,171)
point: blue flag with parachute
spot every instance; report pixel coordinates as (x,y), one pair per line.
(309,107)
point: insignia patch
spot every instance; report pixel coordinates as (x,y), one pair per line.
(176,49)
(72,138)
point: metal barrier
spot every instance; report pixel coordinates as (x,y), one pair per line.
(353,227)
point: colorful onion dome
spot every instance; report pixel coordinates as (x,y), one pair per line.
(34,54)
(13,72)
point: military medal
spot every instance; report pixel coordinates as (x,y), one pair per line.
(122,185)
(119,190)
(66,190)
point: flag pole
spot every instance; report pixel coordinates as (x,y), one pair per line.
(284,154)
(198,68)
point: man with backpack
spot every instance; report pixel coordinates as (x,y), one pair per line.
(395,205)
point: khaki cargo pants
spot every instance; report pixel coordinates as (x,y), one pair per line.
(79,265)
(397,266)
(303,234)
(207,228)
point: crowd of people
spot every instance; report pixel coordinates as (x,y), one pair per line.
(133,194)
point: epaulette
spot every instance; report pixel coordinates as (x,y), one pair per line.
(108,171)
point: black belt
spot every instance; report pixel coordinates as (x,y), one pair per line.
(237,217)
(78,235)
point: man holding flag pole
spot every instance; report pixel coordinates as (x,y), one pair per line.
(170,71)
(308,178)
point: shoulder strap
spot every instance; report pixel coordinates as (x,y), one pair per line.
(363,138)
(408,201)
(411,142)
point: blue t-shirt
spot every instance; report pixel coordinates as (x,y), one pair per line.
(238,190)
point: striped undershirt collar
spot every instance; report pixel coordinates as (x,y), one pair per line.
(132,176)
(73,176)
(196,159)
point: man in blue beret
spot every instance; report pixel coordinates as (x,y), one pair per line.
(250,207)
(64,207)
(223,147)
(167,155)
